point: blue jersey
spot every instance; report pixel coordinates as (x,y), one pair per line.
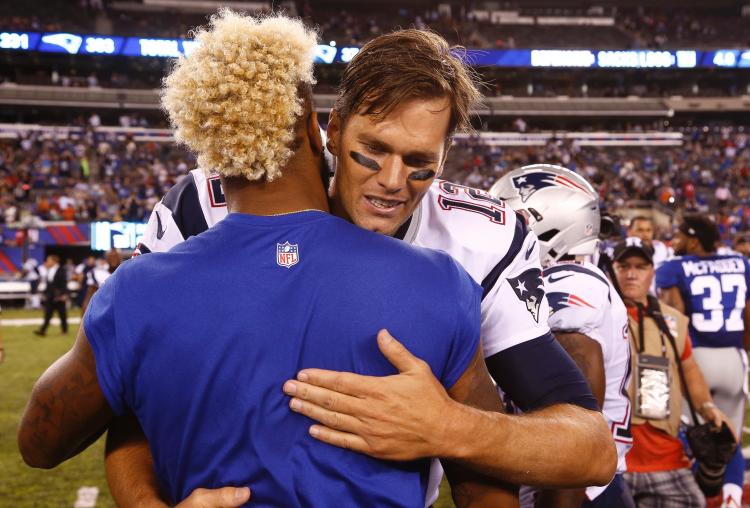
(198,341)
(714,291)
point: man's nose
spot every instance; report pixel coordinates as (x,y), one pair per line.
(392,175)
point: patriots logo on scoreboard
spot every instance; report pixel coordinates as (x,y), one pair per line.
(559,300)
(287,254)
(529,288)
(530,183)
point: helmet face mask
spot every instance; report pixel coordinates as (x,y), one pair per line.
(561,207)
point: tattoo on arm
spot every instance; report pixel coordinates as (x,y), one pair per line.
(67,410)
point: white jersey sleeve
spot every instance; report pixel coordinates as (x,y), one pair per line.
(496,248)
(162,232)
(583,300)
(578,300)
(193,205)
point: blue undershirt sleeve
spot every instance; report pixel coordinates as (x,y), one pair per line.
(539,373)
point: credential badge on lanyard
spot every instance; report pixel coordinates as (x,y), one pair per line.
(652,387)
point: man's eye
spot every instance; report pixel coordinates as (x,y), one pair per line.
(422,175)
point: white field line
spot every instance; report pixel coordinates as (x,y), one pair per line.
(86,497)
(37,321)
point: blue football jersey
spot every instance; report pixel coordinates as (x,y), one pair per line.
(198,342)
(714,290)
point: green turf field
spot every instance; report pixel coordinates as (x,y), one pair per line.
(21,486)
(26,358)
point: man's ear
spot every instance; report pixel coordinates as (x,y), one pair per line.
(694,244)
(333,133)
(313,133)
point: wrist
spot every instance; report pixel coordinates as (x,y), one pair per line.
(450,441)
(707,408)
(465,432)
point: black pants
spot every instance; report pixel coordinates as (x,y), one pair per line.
(49,308)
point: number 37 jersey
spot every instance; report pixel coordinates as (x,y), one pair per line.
(487,238)
(714,291)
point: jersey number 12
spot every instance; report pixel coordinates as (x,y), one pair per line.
(479,202)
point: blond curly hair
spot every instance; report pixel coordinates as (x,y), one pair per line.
(234,101)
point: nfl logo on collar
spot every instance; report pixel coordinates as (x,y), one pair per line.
(287,254)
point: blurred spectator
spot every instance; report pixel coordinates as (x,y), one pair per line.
(103,176)
(50,178)
(103,268)
(701,175)
(742,244)
(30,273)
(635,27)
(55,294)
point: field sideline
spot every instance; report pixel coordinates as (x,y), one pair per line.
(21,486)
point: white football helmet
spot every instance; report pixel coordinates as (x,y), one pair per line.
(560,206)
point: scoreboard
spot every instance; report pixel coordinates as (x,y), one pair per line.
(155,47)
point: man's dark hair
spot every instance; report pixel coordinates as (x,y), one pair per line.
(407,64)
(702,228)
(640,217)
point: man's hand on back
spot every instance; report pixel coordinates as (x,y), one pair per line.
(398,417)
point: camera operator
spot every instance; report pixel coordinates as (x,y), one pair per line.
(658,470)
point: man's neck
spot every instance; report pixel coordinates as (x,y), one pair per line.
(634,302)
(294,192)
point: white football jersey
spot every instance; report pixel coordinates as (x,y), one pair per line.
(582,299)
(661,252)
(487,238)
(191,206)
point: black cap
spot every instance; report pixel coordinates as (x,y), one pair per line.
(633,246)
(702,228)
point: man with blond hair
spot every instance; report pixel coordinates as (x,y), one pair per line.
(196,342)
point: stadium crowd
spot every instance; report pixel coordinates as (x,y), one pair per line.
(710,172)
(634,27)
(102,176)
(86,178)
(139,73)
